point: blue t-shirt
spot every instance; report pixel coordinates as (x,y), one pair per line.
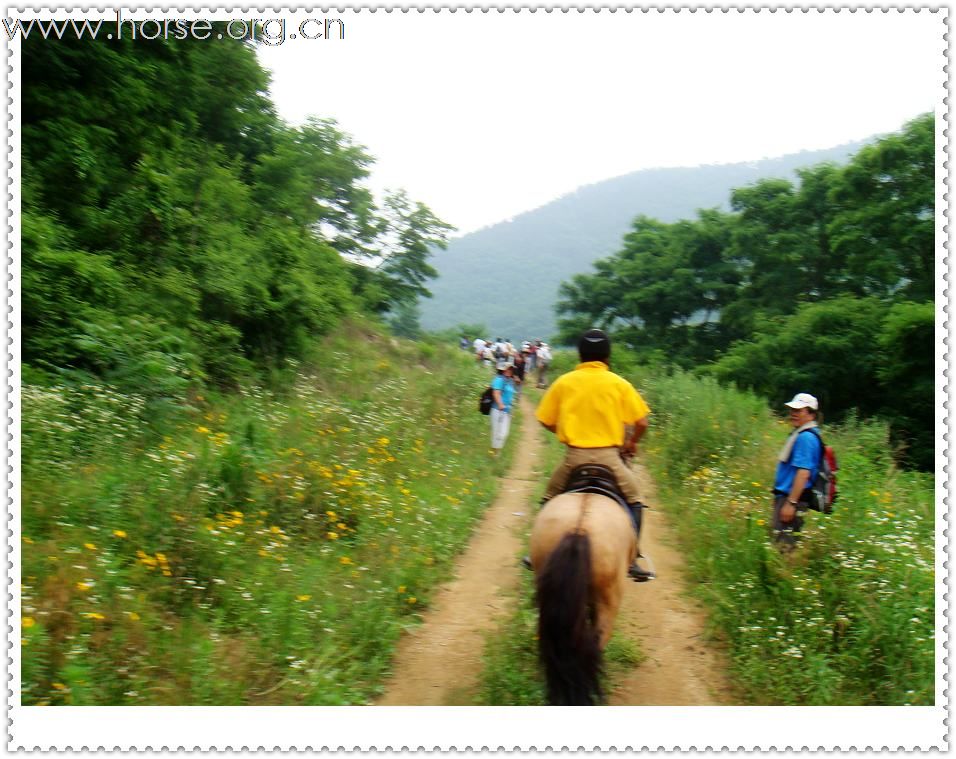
(507,389)
(805,455)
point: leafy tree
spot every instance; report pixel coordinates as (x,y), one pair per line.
(408,234)
(884,228)
(830,349)
(907,375)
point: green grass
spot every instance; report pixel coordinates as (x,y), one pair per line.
(250,548)
(848,618)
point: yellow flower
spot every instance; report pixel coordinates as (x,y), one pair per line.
(27,540)
(345,560)
(761,522)
(133,616)
(412,599)
(28,622)
(341,526)
(330,514)
(94,615)
(89,546)
(332,535)
(383,441)
(401,588)
(122,533)
(275,530)
(303,597)
(202,430)
(83,587)
(59,686)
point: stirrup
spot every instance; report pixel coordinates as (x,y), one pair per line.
(637,573)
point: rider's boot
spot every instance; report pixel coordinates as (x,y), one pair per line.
(636,572)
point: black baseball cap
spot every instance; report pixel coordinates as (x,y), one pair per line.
(594,345)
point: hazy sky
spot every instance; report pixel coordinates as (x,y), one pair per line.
(484,115)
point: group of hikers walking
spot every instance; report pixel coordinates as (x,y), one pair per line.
(533,356)
(600,417)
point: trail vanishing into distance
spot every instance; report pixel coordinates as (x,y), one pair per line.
(439,663)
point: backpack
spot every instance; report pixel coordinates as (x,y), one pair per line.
(486,401)
(821,495)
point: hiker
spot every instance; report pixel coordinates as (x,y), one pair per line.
(503,389)
(478,346)
(519,370)
(797,467)
(600,417)
(531,352)
(543,360)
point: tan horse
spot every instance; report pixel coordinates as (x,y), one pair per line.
(581,547)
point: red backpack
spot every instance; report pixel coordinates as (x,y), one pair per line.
(822,493)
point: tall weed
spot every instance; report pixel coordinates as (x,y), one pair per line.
(261,547)
(848,618)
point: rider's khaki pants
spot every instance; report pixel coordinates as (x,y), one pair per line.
(609,457)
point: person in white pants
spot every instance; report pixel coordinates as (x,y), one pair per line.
(503,390)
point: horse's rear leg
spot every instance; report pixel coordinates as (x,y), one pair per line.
(608,603)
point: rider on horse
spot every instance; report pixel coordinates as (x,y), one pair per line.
(600,417)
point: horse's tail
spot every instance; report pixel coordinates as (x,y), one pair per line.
(567,635)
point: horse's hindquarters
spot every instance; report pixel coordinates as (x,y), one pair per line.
(581,546)
(603,520)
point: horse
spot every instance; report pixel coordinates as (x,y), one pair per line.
(581,547)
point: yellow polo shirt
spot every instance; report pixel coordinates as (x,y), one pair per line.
(590,406)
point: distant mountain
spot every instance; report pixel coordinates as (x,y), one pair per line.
(506,276)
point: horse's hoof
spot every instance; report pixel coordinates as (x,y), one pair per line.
(526,562)
(638,574)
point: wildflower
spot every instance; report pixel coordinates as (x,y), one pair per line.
(275,530)
(330,514)
(89,546)
(332,535)
(83,586)
(383,441)
(59,686)
(202,430)
(761,522)
(303,597)
(341,526)
(122,533)
(345,560)
(28,622)
(27,540)
(94,615)
(401,589)
(412,599)
(133,616)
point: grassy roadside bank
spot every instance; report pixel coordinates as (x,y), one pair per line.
(848,619)
(251,548)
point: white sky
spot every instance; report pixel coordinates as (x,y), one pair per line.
(484,115)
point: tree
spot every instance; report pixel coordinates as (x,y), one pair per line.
(885,226)
(407,235)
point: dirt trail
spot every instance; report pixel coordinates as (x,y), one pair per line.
(680,668)
(439,663)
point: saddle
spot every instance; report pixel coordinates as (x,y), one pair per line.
(595,478)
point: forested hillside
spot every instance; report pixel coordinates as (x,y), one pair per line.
(175,231)
(507,276)
(825,285)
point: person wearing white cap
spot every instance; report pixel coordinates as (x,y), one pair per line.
(503,390)
(797,467)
